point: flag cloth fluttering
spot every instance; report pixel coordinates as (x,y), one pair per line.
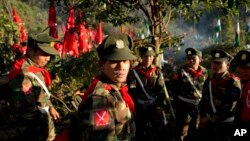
(82,34)
(16,19)
(237,35)
(70,42)
(148,33)
(218,30)
(52,23)
(99,34)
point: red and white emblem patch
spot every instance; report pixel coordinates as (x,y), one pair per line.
(27,89)
(101,118)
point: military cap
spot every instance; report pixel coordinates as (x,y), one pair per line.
(220,55)
(192,51)
(148,50)
(44,42)
(116,47)
(243,58)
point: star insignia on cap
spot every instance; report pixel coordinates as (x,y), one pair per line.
(150,48)
(119,44)
(189,52)
(217,55)
(243,57)
(52,44)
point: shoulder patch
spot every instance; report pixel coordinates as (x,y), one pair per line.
(27,87)
(101,118)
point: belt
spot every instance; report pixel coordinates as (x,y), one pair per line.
(192,101)
(146,102)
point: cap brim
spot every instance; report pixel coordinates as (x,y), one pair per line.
(119,55)
(149,54)
(221,60)
(48,49)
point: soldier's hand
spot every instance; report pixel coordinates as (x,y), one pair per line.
(53,112)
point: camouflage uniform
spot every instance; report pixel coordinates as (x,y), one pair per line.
(218,105)
(104,113)
(242,118)
(150,111)
(187,96)
(31,103)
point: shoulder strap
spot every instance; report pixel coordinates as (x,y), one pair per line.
(211,97)
(191,82)
(41,83)
(141,85)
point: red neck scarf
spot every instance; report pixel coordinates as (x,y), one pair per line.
(146,72)
(90,88)
(45,73)
(127,98)
(16,70)
(123,90)
(196,73)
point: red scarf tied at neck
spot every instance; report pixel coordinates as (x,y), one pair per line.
(196,73)
(17,70)
(147,72)
(45,73)
(123,90)
(127,98)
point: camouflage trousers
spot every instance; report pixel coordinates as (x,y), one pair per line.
(187,120)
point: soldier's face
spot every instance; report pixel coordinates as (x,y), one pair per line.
(40,58)
(219,67)
(147,60)
(116,71)
(243,72)
(193,61)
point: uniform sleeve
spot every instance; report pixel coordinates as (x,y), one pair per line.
(23,92)
(234,92)
(175,84)
(97,117)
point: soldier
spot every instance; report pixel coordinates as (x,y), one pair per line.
(29,83)
(147,87)
(221,91)
(243,69)
(106,111)
(187,92)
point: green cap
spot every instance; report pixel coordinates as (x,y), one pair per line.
(44,42)
(192,51)
(220,55)
(148,50)
(243,58)
(116,47)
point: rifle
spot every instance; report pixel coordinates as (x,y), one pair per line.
(169,102)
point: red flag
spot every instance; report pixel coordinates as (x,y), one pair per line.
(99,35)
(52,23)
(16,19)
(70,42)
(15,16)
(23,36)
(82,38)
(91,37)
